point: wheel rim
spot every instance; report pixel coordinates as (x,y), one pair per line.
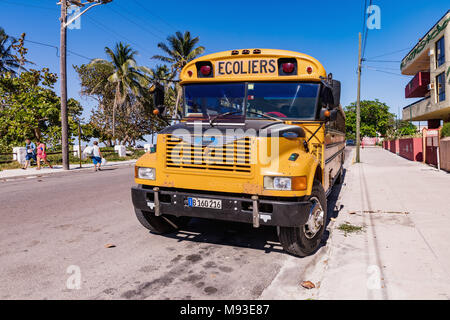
(315,219)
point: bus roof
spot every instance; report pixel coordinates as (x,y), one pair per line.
(253,65)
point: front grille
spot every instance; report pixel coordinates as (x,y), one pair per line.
(232,157)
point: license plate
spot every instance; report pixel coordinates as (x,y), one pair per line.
(204,203)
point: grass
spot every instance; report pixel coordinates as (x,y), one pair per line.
(349,228)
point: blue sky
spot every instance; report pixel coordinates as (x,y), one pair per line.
(326,30)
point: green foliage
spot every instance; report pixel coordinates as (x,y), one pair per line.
(179,50)
(128,79)
(29,108)
(375,118)
(405,128)
(122,90)
(12,53)
(445,131)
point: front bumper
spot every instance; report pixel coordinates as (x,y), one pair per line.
(292,212)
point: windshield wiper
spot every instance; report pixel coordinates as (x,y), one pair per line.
(265,115)
(211,121)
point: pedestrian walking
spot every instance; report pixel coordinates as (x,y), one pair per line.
(42,155)
(30,148)
(96,156)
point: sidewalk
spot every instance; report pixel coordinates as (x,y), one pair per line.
(32,172)
(402,251)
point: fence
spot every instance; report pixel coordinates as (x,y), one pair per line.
(411,149)
(4,155)
(429,149)
(445,154)
(19,153)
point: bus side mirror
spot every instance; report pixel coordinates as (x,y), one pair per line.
(336,92)
(331,94)
(158,97)
(328,115)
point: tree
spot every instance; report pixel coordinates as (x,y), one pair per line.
(125,75)
(179,49)
(375,118)
(12,53)
(132,123)
(401,128)
(29,108)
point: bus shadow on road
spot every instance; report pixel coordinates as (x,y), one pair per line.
(243,235)
(228,233)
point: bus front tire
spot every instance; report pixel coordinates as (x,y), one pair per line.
(304,240)
(160,224)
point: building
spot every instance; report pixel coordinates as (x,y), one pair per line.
(429,63)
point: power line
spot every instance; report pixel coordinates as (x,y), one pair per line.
(385,68)
(383,61)
(155,15)
(57,49)
(367,31)
(363,29)
(28,5)
(122,9)
(107,29)
(136,24)
(378,70)
(390,53)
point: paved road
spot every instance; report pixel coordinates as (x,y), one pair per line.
(49,224)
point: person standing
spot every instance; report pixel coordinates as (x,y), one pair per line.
(31,153)
(42,155)
(96,156)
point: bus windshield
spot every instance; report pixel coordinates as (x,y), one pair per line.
(290,100)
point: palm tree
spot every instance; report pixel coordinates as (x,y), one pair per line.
(126,75)
(180,49)
(159,74)
(8,61)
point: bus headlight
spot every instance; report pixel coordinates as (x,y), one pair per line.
(146,173)
(285,183)
(277,183)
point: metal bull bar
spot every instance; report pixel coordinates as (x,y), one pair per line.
(255,212)
(156,201)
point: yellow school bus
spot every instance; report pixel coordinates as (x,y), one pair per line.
(261,141)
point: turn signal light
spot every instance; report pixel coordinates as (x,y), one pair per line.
(205,70)
(299,183)
(288,67)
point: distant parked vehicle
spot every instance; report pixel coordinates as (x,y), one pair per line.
(350,142)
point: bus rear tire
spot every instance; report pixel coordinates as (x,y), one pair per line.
(160,224)
(304,240)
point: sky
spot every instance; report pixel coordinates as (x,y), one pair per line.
(326,30)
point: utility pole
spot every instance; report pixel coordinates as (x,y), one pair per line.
(63,77)
(63,69)
(358,104)
(79,143)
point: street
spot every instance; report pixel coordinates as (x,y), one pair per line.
(50,223)
(83,221)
